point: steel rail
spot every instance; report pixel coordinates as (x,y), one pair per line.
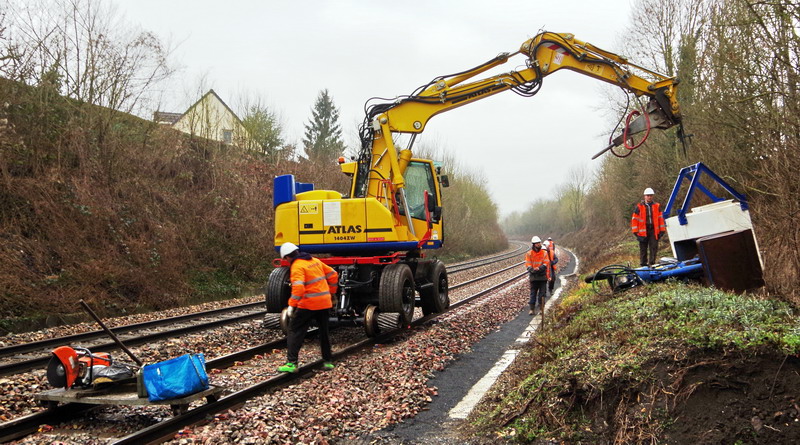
(6,351)
(165,430)
(25,365)
(29,424)
(451,269)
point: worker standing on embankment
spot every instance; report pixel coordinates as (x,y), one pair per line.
(647,224)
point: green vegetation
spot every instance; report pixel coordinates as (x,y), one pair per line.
(323,136)
(597,344)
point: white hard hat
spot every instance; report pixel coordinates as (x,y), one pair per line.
(648,191)
(536,239)
(287,248)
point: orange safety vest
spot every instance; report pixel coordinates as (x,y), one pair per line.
(551,255)
(639,223)
(312,284)
(535,259)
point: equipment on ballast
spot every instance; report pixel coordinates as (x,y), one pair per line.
(378,231)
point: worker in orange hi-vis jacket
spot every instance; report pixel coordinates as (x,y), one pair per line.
(538,265)
(313,282)
(647,224)
(550,246)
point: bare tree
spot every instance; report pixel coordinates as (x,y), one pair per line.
(573,194)
(96,57)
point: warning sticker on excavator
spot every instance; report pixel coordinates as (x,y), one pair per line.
(559,52)
(309,209)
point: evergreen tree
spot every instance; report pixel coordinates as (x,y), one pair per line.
(323,136)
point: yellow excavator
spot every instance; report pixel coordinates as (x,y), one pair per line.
(377,233)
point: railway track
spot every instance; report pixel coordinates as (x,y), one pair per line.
(26,356)
(167,429)
(459,267)
(27,424)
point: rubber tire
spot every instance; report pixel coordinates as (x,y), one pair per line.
(396,291)
(278,290)
(272,321)
(435,299)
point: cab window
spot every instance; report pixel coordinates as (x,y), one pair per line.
(419,179)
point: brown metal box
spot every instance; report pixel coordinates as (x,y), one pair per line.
(730,261)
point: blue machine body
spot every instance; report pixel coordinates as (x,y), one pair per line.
(693,173)
(683,269)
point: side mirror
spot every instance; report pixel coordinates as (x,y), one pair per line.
(436,214)
(444,181)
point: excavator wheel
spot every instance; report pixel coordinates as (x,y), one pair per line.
(272,321)
(376,322)
(278,290)
(396,291)
(389,322)
(435,299)
(285,320)
(371,321)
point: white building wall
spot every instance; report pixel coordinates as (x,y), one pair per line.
(211,119)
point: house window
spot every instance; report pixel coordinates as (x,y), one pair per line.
(227,136)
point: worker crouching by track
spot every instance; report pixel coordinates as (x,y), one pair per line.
(537,262)
(313,282)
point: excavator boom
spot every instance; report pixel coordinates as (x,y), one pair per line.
(544,54)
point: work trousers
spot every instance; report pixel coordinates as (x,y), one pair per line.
(538,293)
(552,282)
(298,327)
(650,244)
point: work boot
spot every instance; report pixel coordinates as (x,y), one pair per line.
(532,310)
(288,367)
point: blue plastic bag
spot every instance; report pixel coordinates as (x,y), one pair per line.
(176,377)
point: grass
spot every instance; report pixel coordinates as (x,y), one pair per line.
(600,346)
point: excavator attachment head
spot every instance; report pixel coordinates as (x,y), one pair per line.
(656,115)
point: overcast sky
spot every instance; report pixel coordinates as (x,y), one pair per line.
(285,52)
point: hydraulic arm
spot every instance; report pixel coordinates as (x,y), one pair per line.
(545,54)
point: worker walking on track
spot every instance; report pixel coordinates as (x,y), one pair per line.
(313,283)
(647,224)
(538,265)
(550,246)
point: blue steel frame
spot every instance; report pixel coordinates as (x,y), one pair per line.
(693,172)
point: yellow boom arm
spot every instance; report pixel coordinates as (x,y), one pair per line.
(546,53)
